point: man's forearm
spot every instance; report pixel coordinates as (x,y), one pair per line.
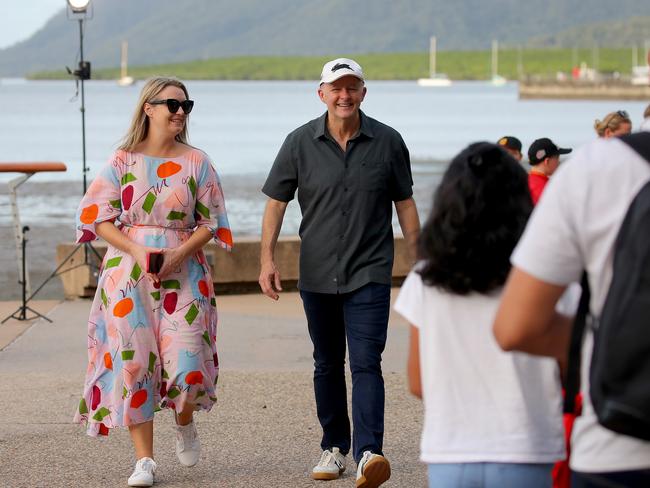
(526,319)
(271,225)
(553,341)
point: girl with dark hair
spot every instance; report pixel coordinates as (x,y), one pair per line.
(491,418)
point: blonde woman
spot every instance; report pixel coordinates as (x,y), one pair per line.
(614,124)
(152,325)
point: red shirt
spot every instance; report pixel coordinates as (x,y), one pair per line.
(536,183)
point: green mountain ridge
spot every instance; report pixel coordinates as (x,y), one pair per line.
(172,31)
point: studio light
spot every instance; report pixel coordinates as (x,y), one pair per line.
(78,6)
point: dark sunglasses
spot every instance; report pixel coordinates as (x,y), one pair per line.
(623,113)
(173,105)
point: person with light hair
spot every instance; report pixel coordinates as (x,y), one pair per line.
(614,124)
(152,325)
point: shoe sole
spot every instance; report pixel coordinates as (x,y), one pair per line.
(326,476)
(375,472)
(140,483)
(198,458)
(188,465)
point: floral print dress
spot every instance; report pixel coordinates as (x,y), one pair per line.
(151,347)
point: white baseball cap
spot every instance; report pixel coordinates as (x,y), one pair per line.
(340,67)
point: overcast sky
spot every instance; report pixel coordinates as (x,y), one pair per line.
(21,18)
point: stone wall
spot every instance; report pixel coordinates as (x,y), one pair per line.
(234,272)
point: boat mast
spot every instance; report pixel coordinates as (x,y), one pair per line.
(495,58)
(432,57)
(123,62)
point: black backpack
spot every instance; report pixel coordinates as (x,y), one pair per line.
(619,375)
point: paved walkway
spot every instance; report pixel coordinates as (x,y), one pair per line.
(263,432)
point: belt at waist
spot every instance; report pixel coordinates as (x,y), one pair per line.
(142,226)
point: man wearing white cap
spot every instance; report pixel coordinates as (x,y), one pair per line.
(348,169)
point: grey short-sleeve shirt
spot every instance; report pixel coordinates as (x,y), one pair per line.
(346,201)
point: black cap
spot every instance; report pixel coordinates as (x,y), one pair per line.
(544,148)
(510,142)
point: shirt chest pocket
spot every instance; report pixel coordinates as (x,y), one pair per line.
(373,176)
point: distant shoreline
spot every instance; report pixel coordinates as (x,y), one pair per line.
(583,91)
(552,90)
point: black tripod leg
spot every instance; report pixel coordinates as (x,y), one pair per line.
(37,314)
(58,268)
(21,314)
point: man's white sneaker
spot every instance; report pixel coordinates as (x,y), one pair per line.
(143,473)
(330,466)
(373,470)
(188,447)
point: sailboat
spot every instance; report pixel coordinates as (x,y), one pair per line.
(435,79)
(124,80)
(496,80)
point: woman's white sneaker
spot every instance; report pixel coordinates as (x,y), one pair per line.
(373,470)
(330,466)
(143,474)
(188,447)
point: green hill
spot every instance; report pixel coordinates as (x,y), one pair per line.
(465,65)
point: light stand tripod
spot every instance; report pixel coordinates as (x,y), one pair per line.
(80,10)
(21,313)
(82,73)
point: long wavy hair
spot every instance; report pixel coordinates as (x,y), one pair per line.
(139,128)
(479,212)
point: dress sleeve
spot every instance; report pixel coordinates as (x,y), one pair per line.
(101,202)
(210,210)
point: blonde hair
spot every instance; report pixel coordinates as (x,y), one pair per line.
(646,112)
(611,121)
(139,128)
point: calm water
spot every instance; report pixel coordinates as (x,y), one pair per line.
(242,125)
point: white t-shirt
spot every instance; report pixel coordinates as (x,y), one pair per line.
(574,227)
(480,404)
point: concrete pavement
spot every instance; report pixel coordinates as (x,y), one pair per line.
(263,431)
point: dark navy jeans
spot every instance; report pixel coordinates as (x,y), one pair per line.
(361,317)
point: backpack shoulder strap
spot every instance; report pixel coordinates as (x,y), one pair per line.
(640,142)
(572,379)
